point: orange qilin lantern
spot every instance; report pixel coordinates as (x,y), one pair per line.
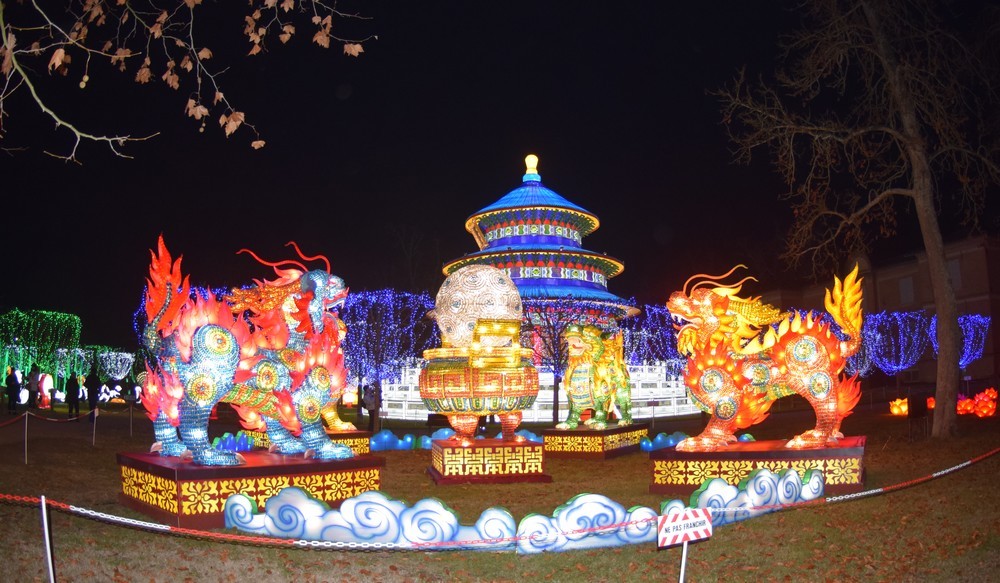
(898,407)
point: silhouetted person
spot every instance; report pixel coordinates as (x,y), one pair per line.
(373,402)
(73,397)
(13,387)
(93,390)
(33,377)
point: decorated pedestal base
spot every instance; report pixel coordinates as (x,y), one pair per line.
(487,461)
(183,494)
(358,441)
(594,444)
(679,473)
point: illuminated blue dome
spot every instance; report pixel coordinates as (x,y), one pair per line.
(536,236)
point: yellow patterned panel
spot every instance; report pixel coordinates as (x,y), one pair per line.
(574,443)
(487,461)
(695,472)
(735,470)
(149,489)
(772,466)
(843,471)
(209,496)
(698,472)
(533,458)
(561,443)
(802,466)
(624,439)
(200,497)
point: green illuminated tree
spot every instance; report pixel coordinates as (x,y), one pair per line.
(881,109)
(36,336)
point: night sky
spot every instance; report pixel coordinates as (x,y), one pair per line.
(428,126)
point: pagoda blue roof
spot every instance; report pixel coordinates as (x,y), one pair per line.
(531,197)
(536,236)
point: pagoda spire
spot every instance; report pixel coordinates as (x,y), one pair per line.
(531,169)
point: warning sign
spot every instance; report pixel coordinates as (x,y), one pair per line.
(681,527)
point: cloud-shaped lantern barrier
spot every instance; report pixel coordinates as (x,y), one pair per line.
(586,521)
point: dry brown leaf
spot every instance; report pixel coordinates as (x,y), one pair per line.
(218,97)
(353,49)
(287,5)
(195,110)
(107,46)
(204,54)
(162,17)
(254,50)
(257,144)
(234,122)
(57,59)
(36,48)
(270,3)
(186,64)
(322,38)
(316,19)
(170,77)
(156,30)
(192,3)
(8,63)
(284,37)
(143,75)
(122,53)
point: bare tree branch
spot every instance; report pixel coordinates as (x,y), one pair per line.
(142,36)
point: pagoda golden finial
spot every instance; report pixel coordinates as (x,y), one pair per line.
(531,164)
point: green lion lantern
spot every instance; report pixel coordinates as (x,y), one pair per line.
(596,377)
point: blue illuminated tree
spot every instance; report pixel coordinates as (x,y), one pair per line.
(895,340)
(974,328)
(650,338)
(385,329)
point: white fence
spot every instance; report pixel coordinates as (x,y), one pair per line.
(654,394)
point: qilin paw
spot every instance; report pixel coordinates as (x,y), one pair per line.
(811,439)
(705,443)
(214,457)
(333,451)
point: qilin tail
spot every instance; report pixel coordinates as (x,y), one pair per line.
(166,293)
(844,304)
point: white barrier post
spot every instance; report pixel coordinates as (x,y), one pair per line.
(93,439)
(25,438)
(48,542)
(684,560)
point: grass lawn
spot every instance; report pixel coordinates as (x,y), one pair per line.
(947,529)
